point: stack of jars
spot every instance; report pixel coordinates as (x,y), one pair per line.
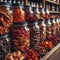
(34,31)
(5,23)
(34,28)
(20,30)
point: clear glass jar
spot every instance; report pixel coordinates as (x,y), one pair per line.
(42,26)
(57,26)
(42,12)
(36,13)
(18,12)
(28,13)
(34,34)
(5,46)
(53,27)
(21,37)
(5,17)
(48,28)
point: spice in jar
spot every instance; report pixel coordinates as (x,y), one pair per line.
(21,39)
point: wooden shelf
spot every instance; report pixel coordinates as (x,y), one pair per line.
(54,12)
(53,2)
(54,54)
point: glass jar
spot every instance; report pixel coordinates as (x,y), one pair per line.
(42,14)
(18,12)
(36,13)
(21,37)
(42,26)
(5,46)
(53,27)
(28,13)
(48,28)
(47,13)
(34,34)
(5,17)
(57,26)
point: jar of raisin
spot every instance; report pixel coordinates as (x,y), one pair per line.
(5,17)
(34,34)
(21,37)
(5,46)
(48,28)
(42,26)
(18,12)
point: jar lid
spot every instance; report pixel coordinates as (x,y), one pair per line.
(20,24)
(4,36)
(3,2)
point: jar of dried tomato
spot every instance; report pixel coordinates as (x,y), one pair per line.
(48,28)
(18,12)
(21,37)
(42,26)
(5,46)
(5,17)
(34,34)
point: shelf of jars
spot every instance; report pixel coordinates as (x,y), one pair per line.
(31,32)
(56,12)
(52,54)
(53,2)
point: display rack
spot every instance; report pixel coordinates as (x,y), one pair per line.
(48,2)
